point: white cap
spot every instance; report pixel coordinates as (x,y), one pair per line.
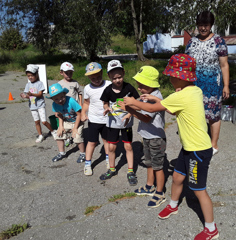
(114,64)
(32,68)
(66,66)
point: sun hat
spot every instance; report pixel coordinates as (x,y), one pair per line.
(56,89)
(66,66)
(181,66)
(148,76)
(93,68)
(32,68)
(114,64)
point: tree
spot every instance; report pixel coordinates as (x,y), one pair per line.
(11,39)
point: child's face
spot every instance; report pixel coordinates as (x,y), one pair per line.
(175,82)
(60,98)
(117,77)
(67,75)
(96,79)
(144,89)
(32,77)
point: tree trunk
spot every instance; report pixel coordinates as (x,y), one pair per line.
(138,32)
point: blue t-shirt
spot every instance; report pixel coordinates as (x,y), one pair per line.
(68,110)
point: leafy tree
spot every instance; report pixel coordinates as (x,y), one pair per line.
(11,39)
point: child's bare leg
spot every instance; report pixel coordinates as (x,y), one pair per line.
(206,205)
(81,147)
(129,155)
(106,146)
(89,150)
(177,186)
(61,145)
(160,180)
(38,127)
(150,176)
(112,154)
(48,125)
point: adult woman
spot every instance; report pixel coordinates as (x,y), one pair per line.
(211,54)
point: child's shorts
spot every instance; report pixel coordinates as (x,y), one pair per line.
(114,133)
(41,112)
(94,129)
(194,165)
(154,152)
(68,126)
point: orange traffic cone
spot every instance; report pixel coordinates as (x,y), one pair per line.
(10,98)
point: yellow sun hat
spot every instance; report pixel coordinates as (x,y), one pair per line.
(148,76)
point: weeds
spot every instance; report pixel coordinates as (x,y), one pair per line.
(13,231)
(90,210)
(122,196)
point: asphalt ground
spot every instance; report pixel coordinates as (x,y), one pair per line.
(53,197)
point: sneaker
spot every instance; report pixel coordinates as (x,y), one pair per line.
(156,200)
(67,142)
(88,170)
(54,134)
(39,139)
(81,158)
(207,235)
(132,178)
(59,157)
(107,175)
(145,191)
(167,211)
(107,164)
(215,151)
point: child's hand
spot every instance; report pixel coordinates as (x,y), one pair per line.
(128,100)
(23,95)
(84,117)
(107,110)
(74,132)
(60,131)
(126,118)
(122,105)
(150,98)
(30,94)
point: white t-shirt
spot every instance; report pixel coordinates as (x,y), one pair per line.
(95,111)
(154,128)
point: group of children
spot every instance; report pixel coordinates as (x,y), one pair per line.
(110,106)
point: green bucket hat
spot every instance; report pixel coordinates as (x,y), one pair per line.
(148,76)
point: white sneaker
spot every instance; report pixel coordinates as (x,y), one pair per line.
(54,134)
(88,170)
(107,164)
(39,139)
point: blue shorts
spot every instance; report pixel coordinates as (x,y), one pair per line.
(194,165)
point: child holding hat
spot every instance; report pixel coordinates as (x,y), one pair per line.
(194,157)
(34,92)
(69,118)
(151,129)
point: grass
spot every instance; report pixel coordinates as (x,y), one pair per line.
(90,210)
(14,230)
(122,196)
(123,45)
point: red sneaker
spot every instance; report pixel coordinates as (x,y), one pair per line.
(167,211)
(207,235)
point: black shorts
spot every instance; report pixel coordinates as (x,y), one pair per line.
(194,165)
(94,129)
(154,152)
(113,135)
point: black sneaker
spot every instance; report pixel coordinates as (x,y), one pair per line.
(59,157)
(81,158)
(109,174)
(132,178)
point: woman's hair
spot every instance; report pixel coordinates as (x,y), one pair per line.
(205,17)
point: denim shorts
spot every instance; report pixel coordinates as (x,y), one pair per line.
(154,152)
(194,165)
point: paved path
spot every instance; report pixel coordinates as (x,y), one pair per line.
(53,197)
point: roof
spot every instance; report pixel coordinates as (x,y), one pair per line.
(230,40)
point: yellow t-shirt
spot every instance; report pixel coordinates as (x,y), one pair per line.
(188,106)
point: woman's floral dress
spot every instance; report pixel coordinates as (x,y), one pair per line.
(208,71)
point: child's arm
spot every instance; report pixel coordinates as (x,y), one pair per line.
(106,108)
(80,99)
(38,95)
(85,108)
(132,111)
(156,107)
(60,129)
(77,121)
(24,95)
